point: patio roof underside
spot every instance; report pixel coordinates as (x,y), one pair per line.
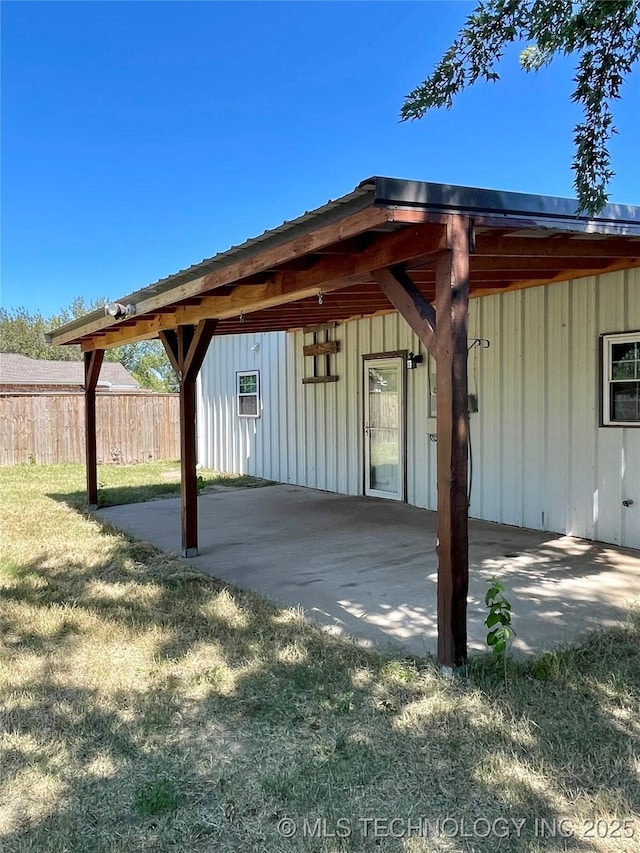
(318,269)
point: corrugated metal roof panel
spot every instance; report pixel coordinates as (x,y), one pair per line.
(361,197)
(541,211)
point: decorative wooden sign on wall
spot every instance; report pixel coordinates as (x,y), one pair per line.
(322,347)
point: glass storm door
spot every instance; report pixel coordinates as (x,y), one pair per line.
(384,428)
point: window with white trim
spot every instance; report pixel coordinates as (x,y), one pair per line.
(621,379)
(248,393)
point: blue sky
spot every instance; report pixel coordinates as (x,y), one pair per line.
(138,138)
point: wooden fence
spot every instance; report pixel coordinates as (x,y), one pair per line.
(49,427)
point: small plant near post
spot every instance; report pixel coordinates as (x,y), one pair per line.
(498,621)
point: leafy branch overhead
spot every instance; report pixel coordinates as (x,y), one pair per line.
(603,34)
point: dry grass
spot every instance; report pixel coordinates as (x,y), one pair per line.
(147,707)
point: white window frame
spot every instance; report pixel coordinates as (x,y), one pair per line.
(240,394)
(607,342)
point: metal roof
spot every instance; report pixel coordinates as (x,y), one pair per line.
(359,199)
(555,211)
(539,211)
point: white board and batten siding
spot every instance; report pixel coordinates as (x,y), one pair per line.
(540,459)
(226,442)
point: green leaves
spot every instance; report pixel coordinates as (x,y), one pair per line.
(148,363)
(498,620)
(605,35)
(23,332)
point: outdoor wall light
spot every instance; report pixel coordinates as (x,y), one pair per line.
(255,348)
(414,360)
(118,310)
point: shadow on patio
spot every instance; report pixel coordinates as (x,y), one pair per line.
(367,567)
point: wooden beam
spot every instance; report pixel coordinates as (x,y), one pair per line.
(198,345)
(92,365)
(319,327)
(319,380)
(325,348)
(415,215)
(169,340)
(328,274)
(523,263)
(334,232)
(557,246)
(242,301)
(186,348)
(452,310)
(408,301)
(508,223)
(294,320)
(483,288)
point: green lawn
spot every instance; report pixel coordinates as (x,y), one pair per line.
(145,706)
(123,484)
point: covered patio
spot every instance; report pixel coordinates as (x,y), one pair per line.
(417,248)
(367,568)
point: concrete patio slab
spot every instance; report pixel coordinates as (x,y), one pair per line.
(366,567)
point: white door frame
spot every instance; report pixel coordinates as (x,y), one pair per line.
(386,359)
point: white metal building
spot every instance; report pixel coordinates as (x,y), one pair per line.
(550,450)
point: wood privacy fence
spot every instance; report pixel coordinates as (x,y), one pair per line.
(49,427)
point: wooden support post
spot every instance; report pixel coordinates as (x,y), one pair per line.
(452,310)
(186,348)
(188,473)
(92,364)
(443,332)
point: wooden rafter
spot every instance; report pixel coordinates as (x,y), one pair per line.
(296,270)
(328,273)
(356,223)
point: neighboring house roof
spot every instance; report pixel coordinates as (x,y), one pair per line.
(18,369)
